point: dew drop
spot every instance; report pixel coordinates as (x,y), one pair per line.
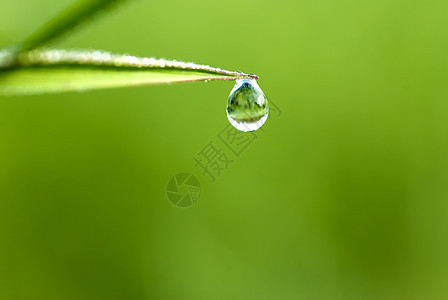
(247,107)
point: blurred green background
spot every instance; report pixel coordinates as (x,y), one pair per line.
(344,196)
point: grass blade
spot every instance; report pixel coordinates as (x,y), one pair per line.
(79,12)
(55,71)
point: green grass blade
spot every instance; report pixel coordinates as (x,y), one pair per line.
(56,71)
(79,12)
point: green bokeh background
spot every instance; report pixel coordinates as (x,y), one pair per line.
(344,196)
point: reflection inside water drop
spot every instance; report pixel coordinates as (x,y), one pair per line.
(247,107)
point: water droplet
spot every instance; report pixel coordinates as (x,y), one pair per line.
(247,107)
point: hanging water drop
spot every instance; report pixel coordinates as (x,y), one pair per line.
(247,107)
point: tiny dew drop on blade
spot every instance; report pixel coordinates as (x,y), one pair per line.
(247,107)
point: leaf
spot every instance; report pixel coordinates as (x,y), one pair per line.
(55,71)
(27,71)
